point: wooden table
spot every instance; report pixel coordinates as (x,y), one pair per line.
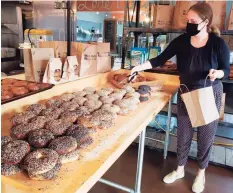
(81,175)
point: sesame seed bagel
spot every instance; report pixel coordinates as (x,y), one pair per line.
(40,161)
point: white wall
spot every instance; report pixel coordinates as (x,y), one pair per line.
(91,16)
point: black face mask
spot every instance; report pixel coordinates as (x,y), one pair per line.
(192,29)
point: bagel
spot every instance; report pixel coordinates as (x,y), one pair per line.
(67,97)
(57,127)
(111,108)
(70,116)
(69,157)
(18,91)
(40,138)
(21,131)
(8,170)
(5,95)
(33,87)
(78,133)
(128,89)
(89,90)
(85,142)
(8,81)
(70,106)
(107,99)
(14,152)
(44,85)
(63,145)
(5,140)
(93,104)
(36,108)
(39,122)
(79,100)
(51,174)
(79,94)
(144,87)
(52,103)
(104,91)
(92,96)
(20,83)
(51,113)
(40,161)
(20,118)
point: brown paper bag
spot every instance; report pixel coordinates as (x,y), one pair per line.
(53,72)
(221,114)
(60,48)
(163,16)
(230,20)
(87,58)
(180,13)
(103,57)
(28,65)
(201,106)
(219,10)
(35,62)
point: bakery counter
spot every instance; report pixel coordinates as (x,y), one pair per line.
(18,76)
(79,176)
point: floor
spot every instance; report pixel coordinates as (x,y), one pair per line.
(218,180)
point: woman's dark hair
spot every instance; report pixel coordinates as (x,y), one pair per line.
(205,11)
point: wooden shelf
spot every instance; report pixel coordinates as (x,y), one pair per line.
(152,30)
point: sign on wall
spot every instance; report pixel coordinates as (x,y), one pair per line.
(101,5)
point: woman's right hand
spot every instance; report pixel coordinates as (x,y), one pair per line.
(147,65)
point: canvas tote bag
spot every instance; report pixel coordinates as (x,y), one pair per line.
(200,105)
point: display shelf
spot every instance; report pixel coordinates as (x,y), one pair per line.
(153,30)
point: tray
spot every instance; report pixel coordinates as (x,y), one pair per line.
(28,94)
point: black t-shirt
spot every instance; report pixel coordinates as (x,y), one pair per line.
(193,64)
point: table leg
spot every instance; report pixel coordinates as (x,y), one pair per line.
(166,142)
(140,161)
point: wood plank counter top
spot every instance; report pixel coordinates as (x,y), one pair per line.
(109,144)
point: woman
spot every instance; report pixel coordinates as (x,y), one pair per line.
(200,52)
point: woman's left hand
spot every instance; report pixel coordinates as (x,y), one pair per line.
(215,74)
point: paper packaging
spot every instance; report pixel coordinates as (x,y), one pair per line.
(180,13)
(53,72)
(201,106)
(60,48)
(163,16)
(103,57)
(71,68)
(230,20)
(219,10)
(87,58)
(35,62)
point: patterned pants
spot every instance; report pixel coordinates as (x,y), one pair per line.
(205,134)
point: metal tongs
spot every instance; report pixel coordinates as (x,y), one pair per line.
(129,78)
